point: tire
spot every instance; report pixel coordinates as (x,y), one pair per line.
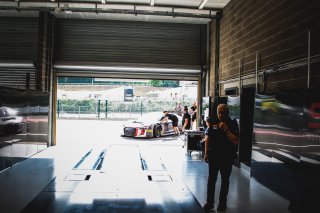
(156,131)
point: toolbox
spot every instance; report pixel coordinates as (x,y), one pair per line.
(192,141)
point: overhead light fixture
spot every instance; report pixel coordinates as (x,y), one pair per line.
(151,2)
(133,69)
(17,64)
(202,4)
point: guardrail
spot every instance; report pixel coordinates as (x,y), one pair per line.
(115,109)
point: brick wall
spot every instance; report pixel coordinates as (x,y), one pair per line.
(278,32)
(212,57)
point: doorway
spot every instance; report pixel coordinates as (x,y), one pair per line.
(98,111)
(246,125)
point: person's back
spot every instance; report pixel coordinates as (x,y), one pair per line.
(172,117)
(174,120)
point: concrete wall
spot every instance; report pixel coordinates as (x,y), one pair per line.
(278,32)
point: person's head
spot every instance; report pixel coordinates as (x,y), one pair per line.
(209,122)
(165,113)
(223,112)
(185,109)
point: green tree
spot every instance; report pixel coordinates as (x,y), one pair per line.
(156,83)
(164,83)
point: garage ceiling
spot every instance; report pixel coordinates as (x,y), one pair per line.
(170,11)
(190,12)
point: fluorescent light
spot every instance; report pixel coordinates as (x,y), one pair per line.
(191,70)
(202,4)
(20,65)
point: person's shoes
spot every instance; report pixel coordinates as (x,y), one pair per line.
(222,207)
(208,206)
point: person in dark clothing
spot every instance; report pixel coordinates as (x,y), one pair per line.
(186,119)
(194,106)
(168,116)
(221,138)
(203,121)
(194,115)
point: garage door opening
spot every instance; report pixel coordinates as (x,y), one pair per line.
(100,111)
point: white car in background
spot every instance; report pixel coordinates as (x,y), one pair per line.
(10,122)
(149,125)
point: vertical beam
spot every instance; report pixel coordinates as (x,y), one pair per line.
(240,71)
(217,57)
(52,109)
(204,57)
(44,51)
(309,54)
(203,82)
(52,84)
(199,103)
(41,63)
(208,34)
(257,58)
(49,58)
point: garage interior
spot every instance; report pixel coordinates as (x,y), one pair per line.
(262,58)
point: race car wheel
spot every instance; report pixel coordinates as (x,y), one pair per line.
(156,131)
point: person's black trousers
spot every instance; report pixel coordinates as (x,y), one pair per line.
(225,168)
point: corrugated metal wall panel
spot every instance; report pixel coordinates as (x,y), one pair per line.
(17,77)
(18,38)
(127,42)
(18,44)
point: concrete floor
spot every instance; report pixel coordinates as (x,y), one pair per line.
(25,186)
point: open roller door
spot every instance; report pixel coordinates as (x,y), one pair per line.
(130,50)
(117,49)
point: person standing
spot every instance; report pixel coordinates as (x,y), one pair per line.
(221,139)
(178,109)
(194,116)
(168,116)
(186,119)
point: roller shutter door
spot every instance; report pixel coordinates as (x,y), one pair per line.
(17,77)
(128,44)
(18,51)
